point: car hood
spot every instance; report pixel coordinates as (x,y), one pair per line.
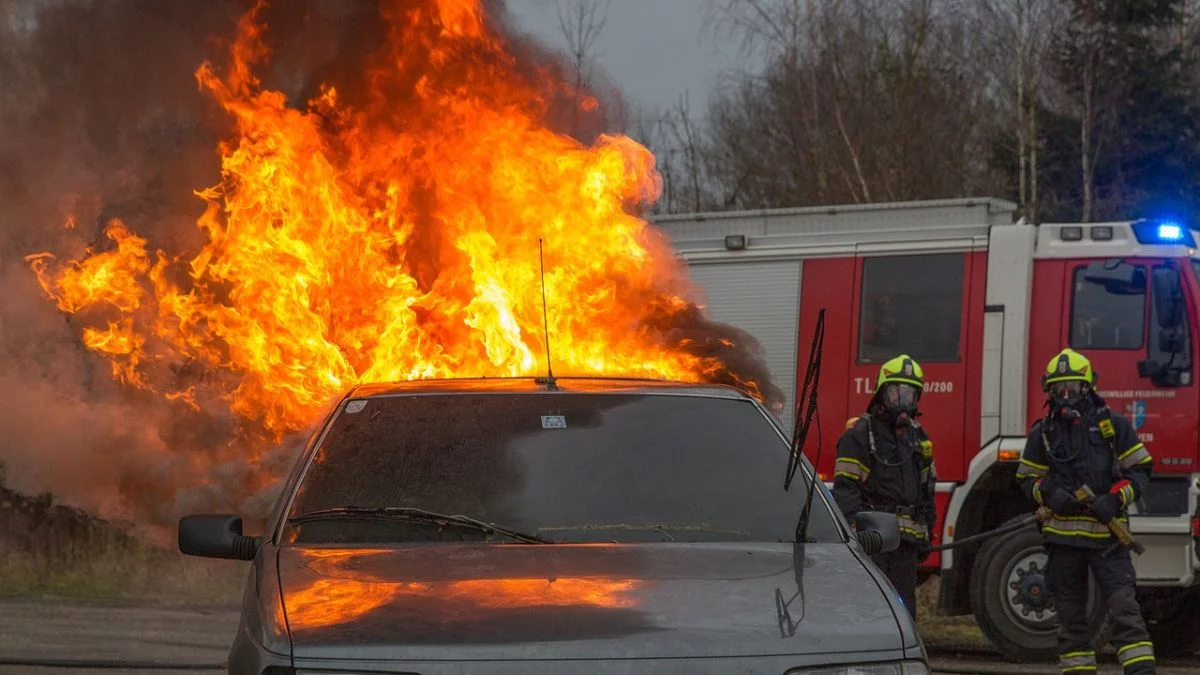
(442,602)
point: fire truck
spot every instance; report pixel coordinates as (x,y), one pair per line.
(983,300)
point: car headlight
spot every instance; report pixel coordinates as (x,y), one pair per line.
(885,668)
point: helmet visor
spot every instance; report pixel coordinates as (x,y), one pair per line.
(900,396)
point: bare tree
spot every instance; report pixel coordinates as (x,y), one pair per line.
(681,145)
(1015,50)
(600,105)
(861,100)
(582,22)
(1089,30)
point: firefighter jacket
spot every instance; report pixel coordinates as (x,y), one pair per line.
(884,469)
(1098,449)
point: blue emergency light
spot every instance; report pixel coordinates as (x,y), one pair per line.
(1162,232)
(1169,232)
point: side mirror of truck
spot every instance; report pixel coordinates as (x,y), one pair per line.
(1168,298)
(1149,368)
(1171,342)
(877,532)
(1161,375)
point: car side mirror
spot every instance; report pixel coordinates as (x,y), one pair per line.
(216,536)
(877,532)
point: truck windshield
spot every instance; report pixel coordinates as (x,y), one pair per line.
(559,466)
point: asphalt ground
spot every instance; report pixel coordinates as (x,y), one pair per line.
(196,639)
(39,630)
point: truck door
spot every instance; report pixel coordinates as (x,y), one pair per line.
(1130,318)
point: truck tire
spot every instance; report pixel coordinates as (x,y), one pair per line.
(1010,602)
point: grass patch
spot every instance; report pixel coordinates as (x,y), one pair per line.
(47,549)
(945,631)
(136,572)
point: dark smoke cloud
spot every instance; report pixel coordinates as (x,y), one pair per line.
(100,118)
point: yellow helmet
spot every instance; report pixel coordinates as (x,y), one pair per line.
(1068,365)
(902,369)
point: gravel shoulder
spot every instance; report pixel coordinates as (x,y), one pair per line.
(51,630)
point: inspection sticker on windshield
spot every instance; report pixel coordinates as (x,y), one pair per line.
(554,422)
(355,406)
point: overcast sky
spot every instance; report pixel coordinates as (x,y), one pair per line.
(655,50)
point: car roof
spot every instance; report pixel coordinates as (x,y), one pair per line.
(535,385)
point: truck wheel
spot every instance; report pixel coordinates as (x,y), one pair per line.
(1008,595)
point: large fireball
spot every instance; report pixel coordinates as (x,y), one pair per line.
(392,233)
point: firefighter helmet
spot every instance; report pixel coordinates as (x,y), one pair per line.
(901,370)
(1067,366)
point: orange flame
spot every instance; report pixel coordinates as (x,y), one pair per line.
(395,236)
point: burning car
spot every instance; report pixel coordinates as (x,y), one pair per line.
(533,525)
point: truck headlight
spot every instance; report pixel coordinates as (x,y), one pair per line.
(884,668)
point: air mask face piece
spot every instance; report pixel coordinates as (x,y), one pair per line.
(900,400)
(1067,394)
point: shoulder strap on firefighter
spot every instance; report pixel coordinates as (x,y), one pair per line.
(1045,434)
(870,434)
(870,482)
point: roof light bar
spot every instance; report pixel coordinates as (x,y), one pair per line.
(1102,233)
(1163,232)
(1071,233)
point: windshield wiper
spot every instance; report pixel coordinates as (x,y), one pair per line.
(416,515)
(660,528)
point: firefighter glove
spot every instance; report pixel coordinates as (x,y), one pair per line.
(1064,503)
(1106,507)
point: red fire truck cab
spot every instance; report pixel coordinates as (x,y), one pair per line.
(983,303)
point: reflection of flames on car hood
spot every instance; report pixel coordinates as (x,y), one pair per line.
(389,230)
(413,603)
(325,602)
(338,589)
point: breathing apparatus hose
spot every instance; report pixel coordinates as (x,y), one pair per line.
(1025,522)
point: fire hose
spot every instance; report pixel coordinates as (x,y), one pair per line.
(1026,521)
(1031,520)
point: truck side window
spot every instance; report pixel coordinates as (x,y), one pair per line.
(911,304)
(1108,306)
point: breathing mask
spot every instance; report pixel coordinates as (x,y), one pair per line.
(1068,397)
(900,401)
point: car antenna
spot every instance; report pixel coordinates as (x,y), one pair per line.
(551,383)
(806,410)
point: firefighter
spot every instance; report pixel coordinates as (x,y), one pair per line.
(885,463)
(1081,442)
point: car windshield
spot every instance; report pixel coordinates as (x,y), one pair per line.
(561,467)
